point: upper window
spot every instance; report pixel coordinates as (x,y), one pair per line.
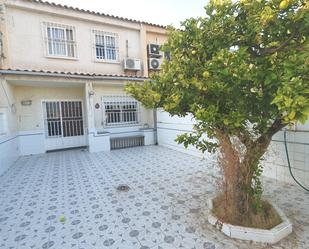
(120,110)
(106,46)
(60,40)
(2,124)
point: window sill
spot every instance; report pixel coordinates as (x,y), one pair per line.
(121,125)
(62,58)
(107,61)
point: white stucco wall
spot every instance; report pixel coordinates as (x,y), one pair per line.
(146,115)
(170,127)
(30,118)
(9,149)
(155,38)
(33,43)
(275,162)
(20,15)
(8,105)
(9,152)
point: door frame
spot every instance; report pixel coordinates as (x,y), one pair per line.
(61,100)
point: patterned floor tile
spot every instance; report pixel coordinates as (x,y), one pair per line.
(164,208)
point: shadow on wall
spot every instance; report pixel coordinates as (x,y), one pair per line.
(9,152)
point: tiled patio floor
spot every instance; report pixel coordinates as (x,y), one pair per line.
(165,207)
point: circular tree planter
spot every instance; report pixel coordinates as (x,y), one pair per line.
(270,236)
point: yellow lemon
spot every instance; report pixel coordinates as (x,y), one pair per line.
(284,4)
(206,74)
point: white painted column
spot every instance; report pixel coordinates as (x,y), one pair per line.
(89,93)
(96,142)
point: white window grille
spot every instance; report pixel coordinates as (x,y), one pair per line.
(120,111)
(106,46)
(3,128)
(60,40)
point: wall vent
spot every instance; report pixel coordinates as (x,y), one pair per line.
(126,142)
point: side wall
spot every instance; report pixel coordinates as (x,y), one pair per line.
(275,162)
(9,151)
(170,127)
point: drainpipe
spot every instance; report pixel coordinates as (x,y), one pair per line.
(155,126)
(143,48)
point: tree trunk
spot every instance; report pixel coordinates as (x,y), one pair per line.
(238,172)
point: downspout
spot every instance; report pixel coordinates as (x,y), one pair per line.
(155,126)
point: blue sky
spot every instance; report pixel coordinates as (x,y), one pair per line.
(156,11)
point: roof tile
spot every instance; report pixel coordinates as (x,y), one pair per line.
(95,13)
(89,74)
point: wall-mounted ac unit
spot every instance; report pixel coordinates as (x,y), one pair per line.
(132,64)
(154,63)
(153,50)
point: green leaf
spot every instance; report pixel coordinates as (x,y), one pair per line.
(305,111)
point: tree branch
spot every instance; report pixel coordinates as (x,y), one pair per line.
(273,129)
(267,51)
(255,50)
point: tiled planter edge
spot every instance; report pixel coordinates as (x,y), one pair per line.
(270,236)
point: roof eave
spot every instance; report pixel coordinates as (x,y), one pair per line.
(71,75)
(51,4)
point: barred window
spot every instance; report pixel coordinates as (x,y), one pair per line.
(120,110)
(60,40)
(105,46)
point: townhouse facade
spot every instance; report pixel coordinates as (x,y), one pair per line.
(62,77)
(63,72)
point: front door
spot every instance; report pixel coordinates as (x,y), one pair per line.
(64,124)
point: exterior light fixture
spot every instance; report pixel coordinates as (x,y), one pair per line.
(26,102)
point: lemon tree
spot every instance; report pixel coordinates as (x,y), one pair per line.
(242,71)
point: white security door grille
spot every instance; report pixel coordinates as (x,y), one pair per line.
(64,125)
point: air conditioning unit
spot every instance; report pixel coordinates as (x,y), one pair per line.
(154,63)
(153,50)
(132,64)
